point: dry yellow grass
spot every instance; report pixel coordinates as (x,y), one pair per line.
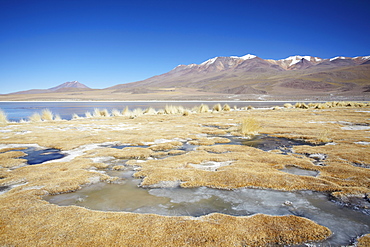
(25,216)
(47,115)
(217,107)
(363,241)
(35,117)
(3,117)
(249,127)
(226,107)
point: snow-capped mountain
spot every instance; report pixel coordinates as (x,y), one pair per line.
(251,74)
(289,63)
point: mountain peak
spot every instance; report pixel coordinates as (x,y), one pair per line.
(69,84)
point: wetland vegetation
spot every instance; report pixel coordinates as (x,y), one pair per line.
(206,176)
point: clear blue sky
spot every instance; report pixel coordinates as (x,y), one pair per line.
(104,43)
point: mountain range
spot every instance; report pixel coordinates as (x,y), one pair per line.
(246,77)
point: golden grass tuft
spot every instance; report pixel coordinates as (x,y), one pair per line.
(36,117)
(97,113)
(3,117)
(249,127)
(47,115)
(170,109)
(137,112)
(288,105)
(202,108)
(75,116)
(126,112)
(186,113)
(88,114)
(217,107)
(301,105)
(150,111)
(104,113)
(57,118)
(226,107)
(116,113)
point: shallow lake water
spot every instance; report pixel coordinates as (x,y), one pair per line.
(346,224)
(22,110)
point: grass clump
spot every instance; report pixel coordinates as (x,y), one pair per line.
(116,113)
(137,112)
(36,117)
(47,115)
(57,118)
(203,108)
(126,112)
(75,116)
(150,111)
(249,127)
(101,113)
(186,113)
(226,107)
(217,107)
(3,117)
(301,105)
(88,114)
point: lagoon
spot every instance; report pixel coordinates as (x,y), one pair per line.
(22,110)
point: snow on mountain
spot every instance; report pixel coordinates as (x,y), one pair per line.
(335,58)
(287,63)
(296,59)
(209,61)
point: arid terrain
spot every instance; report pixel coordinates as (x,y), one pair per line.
(334,143)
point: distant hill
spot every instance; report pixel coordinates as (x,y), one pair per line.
(70,84)
(67,86)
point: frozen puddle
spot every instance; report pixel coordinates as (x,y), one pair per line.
(346,224)
(37,156)
(299,171)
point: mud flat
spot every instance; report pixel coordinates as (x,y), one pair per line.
(323,158)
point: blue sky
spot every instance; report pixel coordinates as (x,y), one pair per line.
(104,43)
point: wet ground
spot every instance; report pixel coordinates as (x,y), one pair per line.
(128,196)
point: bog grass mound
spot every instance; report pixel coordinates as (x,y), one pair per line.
(157,143)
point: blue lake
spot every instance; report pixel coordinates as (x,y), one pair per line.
(22,110)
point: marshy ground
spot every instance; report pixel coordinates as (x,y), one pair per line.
(189,150)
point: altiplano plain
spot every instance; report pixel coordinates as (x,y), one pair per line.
(336,145)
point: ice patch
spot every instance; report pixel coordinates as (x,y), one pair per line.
(94,180)
(71,154)
(34,187)
(166,184)
(356,127)
(363,143)
(160,141)
(101,159)
(211,165)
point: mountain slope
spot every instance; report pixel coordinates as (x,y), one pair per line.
(70,84)
(64,87)
(252,75)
